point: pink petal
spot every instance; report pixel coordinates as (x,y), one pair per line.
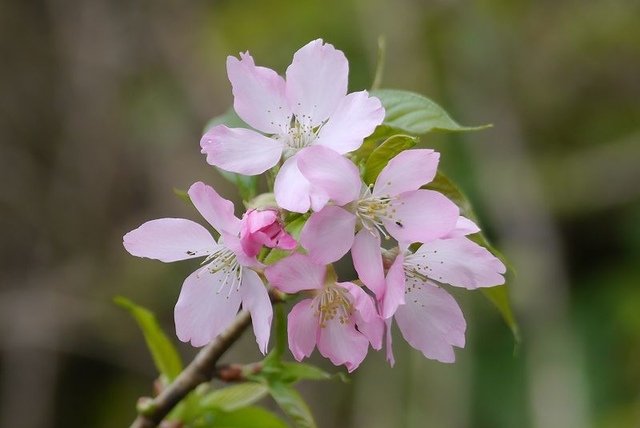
(202,313)
(286,241)
(355,118)
(296,273)
(254,220)
(409,170)
(214,208)
(367,260)
(464,227)
(330,173)
(291,188)
(302,329)
(342,343)
(255,299)
(389,342)
(421,216)
(328,234)
(258,95)
(240,150)
(460,262)
(169,239)
(316,81)
(394,294)
(233,243)
(366,316)
(263,228)
(431,321)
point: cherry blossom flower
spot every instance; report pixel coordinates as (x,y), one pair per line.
(311,107)
(394,206)
(427,316)
(341,318)
(211,296)
(263,228)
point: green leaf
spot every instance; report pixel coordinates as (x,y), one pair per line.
(293,224)
(247,417)
(380,134)
(165,356)
(382,154)
(301,371)
(292,404)
(274,255)
(499,295)
(247,185)
(415,114)
(234,397)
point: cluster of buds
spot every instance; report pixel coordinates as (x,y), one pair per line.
(304,128)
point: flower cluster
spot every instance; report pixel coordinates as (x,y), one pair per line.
(305,125)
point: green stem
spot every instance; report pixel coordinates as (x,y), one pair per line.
(382,53)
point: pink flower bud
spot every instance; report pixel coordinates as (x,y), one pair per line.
(263,228)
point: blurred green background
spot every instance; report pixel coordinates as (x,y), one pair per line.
(102,104)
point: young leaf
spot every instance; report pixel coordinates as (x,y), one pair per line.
(370,143)
(292,404)
(415,114)
(499,295)
(235,396)
(382,154)
(247,185)
(274,255)
(302,371)
(247,417)
(165,356)
(294,225)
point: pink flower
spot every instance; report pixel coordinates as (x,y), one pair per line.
(310,108)
(428,317)
(340,319)
(263,228)
(210,296)
(394,206)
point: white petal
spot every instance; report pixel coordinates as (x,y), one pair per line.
(255,299)
(258,95)
(169,239)
(355,118)
(316,81)
(431,321)
(207,305)
(239,150)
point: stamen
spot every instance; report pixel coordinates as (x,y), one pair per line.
(372,210)
(334,301)
(225,261)
(299,135)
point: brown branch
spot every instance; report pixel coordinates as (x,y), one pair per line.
(201,369)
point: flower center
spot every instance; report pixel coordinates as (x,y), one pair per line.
(372,210)
(299,135)
(224,260)
(333,301)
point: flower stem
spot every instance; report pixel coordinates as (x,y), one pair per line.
(201,370)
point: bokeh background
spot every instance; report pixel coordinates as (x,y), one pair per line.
(101,107)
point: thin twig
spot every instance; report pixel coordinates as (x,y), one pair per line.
(201,370)
(381,57)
